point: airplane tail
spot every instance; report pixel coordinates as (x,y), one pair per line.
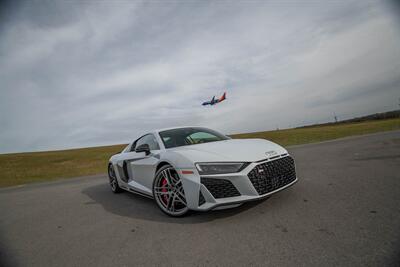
(222,98)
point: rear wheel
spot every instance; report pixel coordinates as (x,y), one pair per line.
(168,192)
(113,180)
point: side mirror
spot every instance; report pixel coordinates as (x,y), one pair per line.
(143,148)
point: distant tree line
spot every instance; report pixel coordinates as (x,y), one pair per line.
(377,116)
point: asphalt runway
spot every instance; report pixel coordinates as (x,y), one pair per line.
(344,211)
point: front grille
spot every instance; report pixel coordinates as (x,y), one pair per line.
(201,199)
(273,175)
(220,188)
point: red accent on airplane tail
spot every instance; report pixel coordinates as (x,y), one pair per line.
(223,97)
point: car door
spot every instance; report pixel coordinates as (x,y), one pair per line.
(140,166)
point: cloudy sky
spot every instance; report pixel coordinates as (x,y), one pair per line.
(86,73)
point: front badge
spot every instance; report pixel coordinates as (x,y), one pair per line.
(271,153)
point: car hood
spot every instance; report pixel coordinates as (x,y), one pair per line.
(243,150)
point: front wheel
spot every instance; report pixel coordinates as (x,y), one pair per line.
(113,180)
(168,192)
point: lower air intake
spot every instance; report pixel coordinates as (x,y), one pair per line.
(220,188)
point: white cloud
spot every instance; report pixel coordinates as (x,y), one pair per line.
(103,74)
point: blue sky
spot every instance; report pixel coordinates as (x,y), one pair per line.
(79,74)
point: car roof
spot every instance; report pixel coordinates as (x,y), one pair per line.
(156,131)
(163,129)
(173,128)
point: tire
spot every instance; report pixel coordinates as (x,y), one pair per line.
(113,180)
(168,192)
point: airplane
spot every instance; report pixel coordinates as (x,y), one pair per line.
(214,101)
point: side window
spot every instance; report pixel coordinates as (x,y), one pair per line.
(150,140)
(140,142)
(132,148)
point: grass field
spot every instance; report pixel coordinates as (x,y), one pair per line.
(22,168)
(307,135)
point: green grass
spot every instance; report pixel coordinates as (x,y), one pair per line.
(22,168)
(314,134)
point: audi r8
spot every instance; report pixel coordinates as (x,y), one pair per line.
(195,168)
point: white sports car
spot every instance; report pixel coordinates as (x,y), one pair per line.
(195,168)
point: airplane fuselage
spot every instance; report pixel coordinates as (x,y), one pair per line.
(214,101)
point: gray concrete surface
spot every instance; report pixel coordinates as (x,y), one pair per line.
(344,211)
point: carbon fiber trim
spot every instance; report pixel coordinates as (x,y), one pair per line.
(201,199)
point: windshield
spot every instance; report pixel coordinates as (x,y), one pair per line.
(190,136)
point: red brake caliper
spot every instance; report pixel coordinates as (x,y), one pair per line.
(164,197)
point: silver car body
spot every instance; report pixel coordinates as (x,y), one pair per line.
(139,171)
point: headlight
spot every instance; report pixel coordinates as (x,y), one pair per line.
(219,168)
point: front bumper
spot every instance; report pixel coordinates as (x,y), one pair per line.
(236,188)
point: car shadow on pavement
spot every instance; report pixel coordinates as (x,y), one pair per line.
(135,206)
